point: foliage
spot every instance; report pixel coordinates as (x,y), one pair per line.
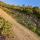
(5,27)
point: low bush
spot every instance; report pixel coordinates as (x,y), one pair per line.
(5,27)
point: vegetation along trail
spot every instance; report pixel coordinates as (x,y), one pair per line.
(21,33)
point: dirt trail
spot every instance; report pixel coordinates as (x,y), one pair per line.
(21,32)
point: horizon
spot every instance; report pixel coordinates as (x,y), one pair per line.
(22,2)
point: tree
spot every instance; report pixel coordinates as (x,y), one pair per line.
(36,11)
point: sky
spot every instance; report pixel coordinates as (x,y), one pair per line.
(21,2)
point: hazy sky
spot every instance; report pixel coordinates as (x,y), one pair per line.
(21,2)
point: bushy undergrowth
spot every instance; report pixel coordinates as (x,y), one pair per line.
(29,23)
(5,27)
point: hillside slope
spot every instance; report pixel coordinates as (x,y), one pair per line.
(28,16)
(21,32)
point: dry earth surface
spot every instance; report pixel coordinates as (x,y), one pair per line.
(21,33)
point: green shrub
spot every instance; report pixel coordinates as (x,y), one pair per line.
(5,27)
(38,31)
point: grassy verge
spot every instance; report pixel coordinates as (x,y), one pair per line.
(6,28)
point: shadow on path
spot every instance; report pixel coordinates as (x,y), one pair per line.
(2,37)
